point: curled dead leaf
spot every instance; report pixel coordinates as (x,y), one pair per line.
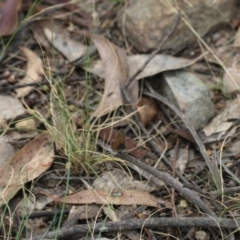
(147,110)
(27,164)
(34,72)
(115,74)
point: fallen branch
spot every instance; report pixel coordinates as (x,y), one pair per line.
(132,224)
(190,195)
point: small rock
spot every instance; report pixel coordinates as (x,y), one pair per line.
(147,22)
(190,95)
(26,125)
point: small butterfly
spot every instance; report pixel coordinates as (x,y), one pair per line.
(118,142)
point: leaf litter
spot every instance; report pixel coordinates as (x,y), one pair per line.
(115,75)
(223,121)
(71,49)
(9,17)
(34,72)
(110,193)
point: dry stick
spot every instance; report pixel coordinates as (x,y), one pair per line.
(212,167)
(131,224)
(191,196)
(230,190)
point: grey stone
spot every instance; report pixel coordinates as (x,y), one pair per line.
(146,22)
(190,95)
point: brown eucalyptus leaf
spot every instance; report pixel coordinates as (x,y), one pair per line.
(115,74)
(27,164)
(109,134)
(116,196)
(34,72)
(223,121)
(9,17)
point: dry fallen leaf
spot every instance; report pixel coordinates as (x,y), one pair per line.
(147,110)
(116,196)
(27,164)
(42,195)
(233,74)
(82,212)
(9,17)
(34,72)
(108,134)
(115,74)
(158,64)
(222,122)
(71,49)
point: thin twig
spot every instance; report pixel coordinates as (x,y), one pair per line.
(230,190)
